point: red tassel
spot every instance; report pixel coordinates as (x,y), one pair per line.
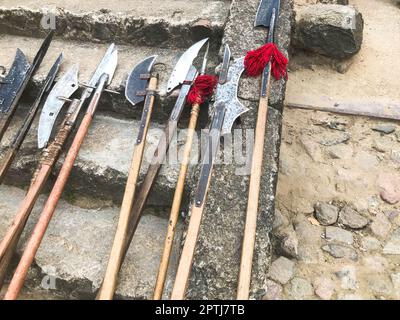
(256,61)
(202,88)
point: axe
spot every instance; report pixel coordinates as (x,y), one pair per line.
(227,109)
(141,85)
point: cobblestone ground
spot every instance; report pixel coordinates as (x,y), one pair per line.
(337,226)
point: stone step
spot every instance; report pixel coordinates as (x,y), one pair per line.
(72,258)
(175,23)
(102,166)
(88,56)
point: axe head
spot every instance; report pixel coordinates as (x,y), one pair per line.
(136,85)
(264,12)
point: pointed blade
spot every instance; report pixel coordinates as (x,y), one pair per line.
(13,81)
(107,65)
(264,12)
(64,87)
(136,85)
(183,65)
(223,75)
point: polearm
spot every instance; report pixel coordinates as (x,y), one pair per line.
(183,74)
(15,83)
(227,109)
(141,85)
(199,84)
(23,131)
(62,90)
(104,75)
(267,15)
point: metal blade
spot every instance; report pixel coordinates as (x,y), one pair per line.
(41,53)
(107,65)
(183,65)
(64,88)
(227,95)
(264,12)
(136,85)
(13,81)
(223,74)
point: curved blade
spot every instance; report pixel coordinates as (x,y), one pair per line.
(227,95)
(182,67)
(64,88)
(13,81)
(136,85)
(264,12)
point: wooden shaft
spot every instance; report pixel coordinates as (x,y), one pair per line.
(6,162)
(13,234)
(48,211)
(252,204)
(176,204)
(186,260)
(109,285)
(148,181)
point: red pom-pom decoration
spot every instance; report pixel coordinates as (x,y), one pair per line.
(256,60)
(202,88)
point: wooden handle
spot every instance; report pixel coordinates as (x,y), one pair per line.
(176,204)
(6,161)
(47,213)
(252,204)
(116,256)
(13,234)
(186,260)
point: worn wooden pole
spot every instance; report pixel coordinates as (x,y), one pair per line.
(39,231)
(249,238)
(176,204)
(109,285)
(47,162)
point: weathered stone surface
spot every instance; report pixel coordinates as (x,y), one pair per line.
(326,213)
(386,129)
(101,169)
(376,263)
(329,29)
(351,218)
(76,246)
(393,245)
(338,235)
(273,291)
(380,284)
(138,22)
(324,287)
(370,244)
(380,225)
(348,277)
(300,289)
(217,258)
(281,270)
(309,237)
(340,251)
(389,187)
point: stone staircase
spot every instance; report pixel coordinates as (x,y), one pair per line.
(75,249)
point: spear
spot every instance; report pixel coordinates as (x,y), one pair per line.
(20,136)
(14,84)
(266,60)
(103,77)
(140,80)
(203,87)
(63,89)
(227,109)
